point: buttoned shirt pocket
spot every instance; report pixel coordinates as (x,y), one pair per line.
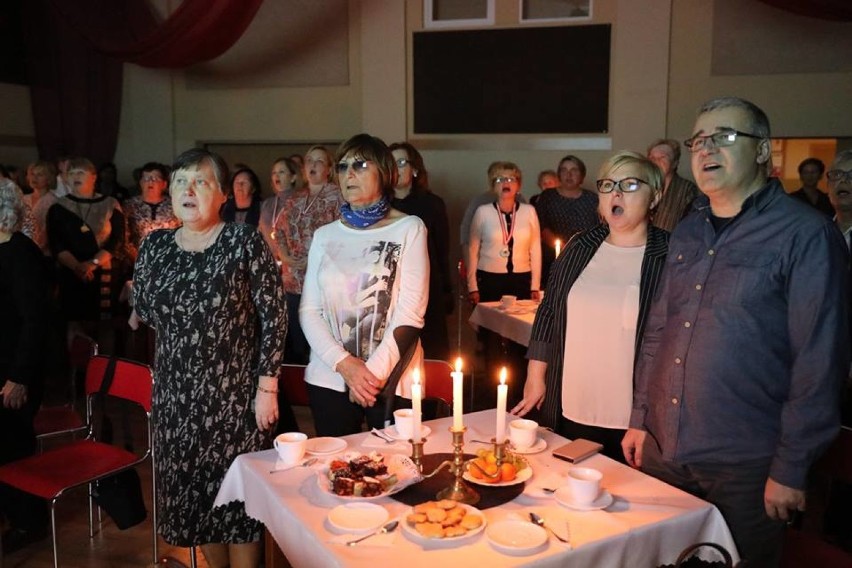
(743,275)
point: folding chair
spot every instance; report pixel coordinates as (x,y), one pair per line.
(83,462)
(53,421)
(438,389)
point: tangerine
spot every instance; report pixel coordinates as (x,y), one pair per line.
(508,472)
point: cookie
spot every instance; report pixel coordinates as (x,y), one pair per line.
(471,522)
(415,518)
(436,515)
(430,530)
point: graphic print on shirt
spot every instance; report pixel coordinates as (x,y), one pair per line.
(367,283)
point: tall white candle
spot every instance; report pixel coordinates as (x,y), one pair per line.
(558,246)
(458,396)
(502,393)
(416,397)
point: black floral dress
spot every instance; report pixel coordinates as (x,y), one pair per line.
(220,320)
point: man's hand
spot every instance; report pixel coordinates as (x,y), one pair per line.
(782,501)
(631,445)
(14,395)
(363,385)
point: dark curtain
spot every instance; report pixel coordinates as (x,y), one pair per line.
(838,10)
(75,53)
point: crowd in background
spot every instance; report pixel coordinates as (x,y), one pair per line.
(345,268)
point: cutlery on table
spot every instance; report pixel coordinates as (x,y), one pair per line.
(540,522)
(307,463)
(385,437)
(549,489)
(388,528)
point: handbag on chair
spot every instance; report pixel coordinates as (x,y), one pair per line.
(687,558)
(120,495)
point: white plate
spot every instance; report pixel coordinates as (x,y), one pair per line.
(391,432)
(539,446)
(324,446)
(563,497)
(412,533)
(359,517)
(516,538)
(405,470)
(522,476)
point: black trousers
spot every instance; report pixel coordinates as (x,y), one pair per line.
(296,348)
(335,415)
(17,440)
(493,285)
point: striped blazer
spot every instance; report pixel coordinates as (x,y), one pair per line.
(547,342)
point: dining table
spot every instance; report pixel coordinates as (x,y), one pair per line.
(512,322)
(645,523)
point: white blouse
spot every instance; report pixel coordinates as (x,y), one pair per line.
(359,287)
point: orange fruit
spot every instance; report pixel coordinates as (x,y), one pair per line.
(493,473)
(508,472)
(475,471)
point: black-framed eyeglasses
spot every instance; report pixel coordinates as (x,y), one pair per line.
(626,185)
(839,176)
(505,179)
(716,140)
(357,165)
(402,162)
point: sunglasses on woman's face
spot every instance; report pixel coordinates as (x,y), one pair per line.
(358,165)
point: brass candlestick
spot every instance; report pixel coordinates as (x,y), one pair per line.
(458,490)
(417,453)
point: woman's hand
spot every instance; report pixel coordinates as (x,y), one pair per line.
(266,403)
(133,321)
(14,395)
(363,384)
(85,271)
(536,295)
(473,297)
(534,391)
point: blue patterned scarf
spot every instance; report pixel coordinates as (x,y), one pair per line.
(366,217)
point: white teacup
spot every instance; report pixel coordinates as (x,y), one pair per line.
(508,301)
(290,446)
(585,484)
(403,419)
(523,433)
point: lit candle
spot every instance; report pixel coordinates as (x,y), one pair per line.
(458,425)
(502,393)
(416,397)
(558,246)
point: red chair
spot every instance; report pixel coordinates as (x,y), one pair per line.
(52,421)
(291,381)
(438,389)
(50,474)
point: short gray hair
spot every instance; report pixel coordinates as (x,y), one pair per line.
(759,122)
(844,156)
(11,206)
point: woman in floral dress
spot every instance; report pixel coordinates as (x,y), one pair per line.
(212,292)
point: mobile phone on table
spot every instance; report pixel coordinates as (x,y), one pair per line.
(577,451)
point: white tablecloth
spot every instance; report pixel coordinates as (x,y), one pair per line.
(514,323)
(648,524)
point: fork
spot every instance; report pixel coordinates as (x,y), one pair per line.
(384,437)
(307,463)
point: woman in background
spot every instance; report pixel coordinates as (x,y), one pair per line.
(24,303)
(413,197)
(244,205)
(212,293)
(599,293)
(364,297)
(305,210)
(286,178)
(152,209)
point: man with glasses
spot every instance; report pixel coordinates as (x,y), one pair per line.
(746,347)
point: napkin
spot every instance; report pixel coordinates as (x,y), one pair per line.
(374,442)
(379,540)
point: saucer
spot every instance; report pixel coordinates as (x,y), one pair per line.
(539,446)
(563,497)
(516,538)
(324,446)
(391,432)
(358,517)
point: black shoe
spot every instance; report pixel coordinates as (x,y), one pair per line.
(16,539)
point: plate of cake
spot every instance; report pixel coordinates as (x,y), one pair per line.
(367,476)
